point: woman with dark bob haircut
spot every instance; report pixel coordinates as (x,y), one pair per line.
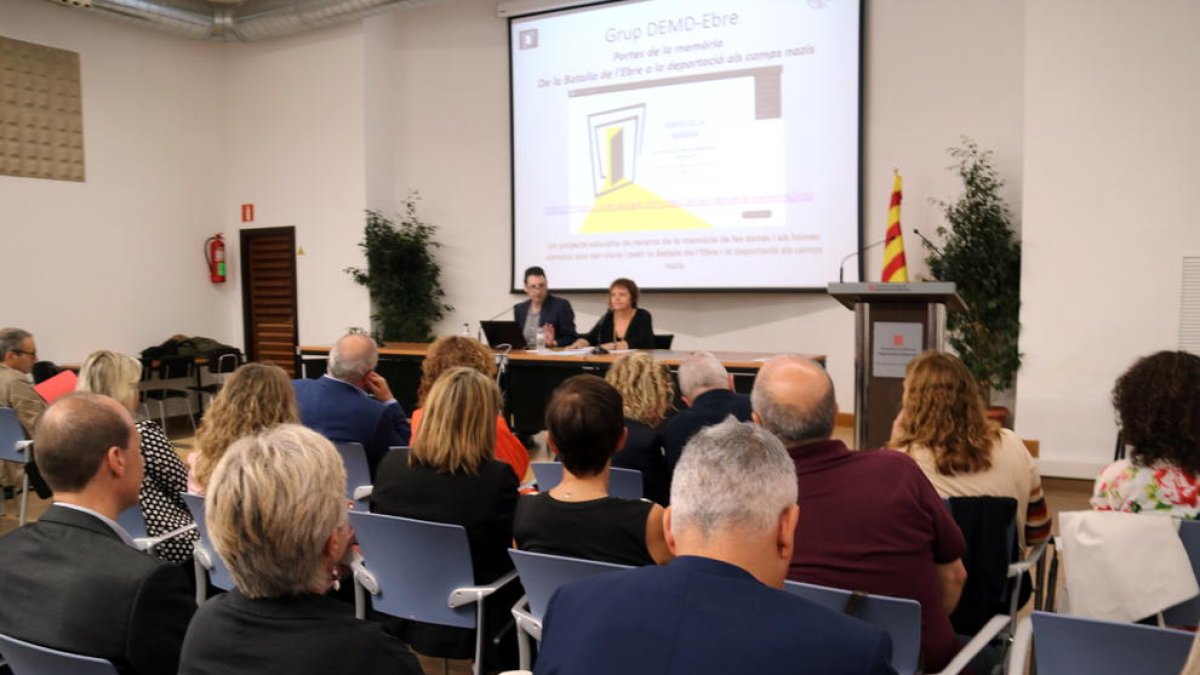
(624,325)
(585,424)
(1158,404)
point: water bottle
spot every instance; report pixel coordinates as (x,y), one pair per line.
(540,338)
(466,331)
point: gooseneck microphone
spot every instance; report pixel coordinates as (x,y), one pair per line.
(842,266)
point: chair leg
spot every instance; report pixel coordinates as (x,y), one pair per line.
(477,667)
(162,416)
(201,581)
(24,499)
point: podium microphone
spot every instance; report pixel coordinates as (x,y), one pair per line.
(842,266)
(926,241)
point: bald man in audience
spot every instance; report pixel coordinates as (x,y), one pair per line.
(707,389)
(872,521)
(352,403)
(18,352)
(717,608)
(73,580)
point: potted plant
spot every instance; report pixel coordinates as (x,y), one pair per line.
(402,275)
(981,255)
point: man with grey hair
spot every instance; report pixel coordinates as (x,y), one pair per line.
(717,607)
(872,521)
(707,389)
(73,580)
(352,403)
(18,352)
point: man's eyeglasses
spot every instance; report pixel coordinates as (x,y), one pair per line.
(23,352)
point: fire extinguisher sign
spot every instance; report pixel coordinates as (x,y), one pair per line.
(247,213)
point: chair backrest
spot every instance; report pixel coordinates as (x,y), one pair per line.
(354,458)
(623,483)
(402,449)
(541,574)
(175,367)
(224,363)
(417,564)
(11,433)
(133,521)
(664,340)
(1187,613)
(25,658)
(219,574)
(1071,644)
(989,526)
(900,617)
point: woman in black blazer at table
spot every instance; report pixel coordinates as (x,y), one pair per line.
(624,325)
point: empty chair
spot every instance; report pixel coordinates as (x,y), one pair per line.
(541,574)
(219,367)
(1187,613)
(623,483)
(1069,644)
(421,571)
(358,473)
(208,564)
(15,448)
(25,658)
(172,368)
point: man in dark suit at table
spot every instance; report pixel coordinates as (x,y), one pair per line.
(707,389)
(352,403)
(718,607)
(73,580)
(542,310)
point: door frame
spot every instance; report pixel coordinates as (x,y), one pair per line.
(244,235)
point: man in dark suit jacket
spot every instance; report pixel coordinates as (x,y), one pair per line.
(717,607)
(73,581)
(352,403)
(554,313)
(707,389)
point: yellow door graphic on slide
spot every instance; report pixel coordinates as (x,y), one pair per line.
(621,204)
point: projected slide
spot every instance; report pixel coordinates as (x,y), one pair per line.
(695,144)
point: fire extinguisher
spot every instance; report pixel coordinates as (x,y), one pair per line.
(214,257)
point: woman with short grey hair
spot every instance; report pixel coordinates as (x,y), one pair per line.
(277,516)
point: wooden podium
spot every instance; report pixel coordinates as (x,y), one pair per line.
(893,323)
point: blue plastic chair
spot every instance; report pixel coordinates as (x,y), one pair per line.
(1071,644)
(134,522)
(25,658)
(208,564)
(358,473)
(623,483)
(420,571)
(14,447)
(542,574)
(1187,613)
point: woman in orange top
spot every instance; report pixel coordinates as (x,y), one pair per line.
(446,353)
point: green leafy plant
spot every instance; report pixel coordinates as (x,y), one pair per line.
(981,255)
(402,275)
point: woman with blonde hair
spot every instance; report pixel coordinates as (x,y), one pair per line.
(449,475)
(277,517)
(118,376)
(647,393)
(943,426)
(257,396)
(454,351)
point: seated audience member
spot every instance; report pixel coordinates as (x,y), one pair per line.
(453,351)
(118,376)
(449,476)
(577,517)
(707,389)
(872,521)
(352,403)
(257,396)
(18,353)
(942,424)
(1158,403)
(544,311)
(717,607)
(73,581)
(624,325)
(647,392)
(277,517)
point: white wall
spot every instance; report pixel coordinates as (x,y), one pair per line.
(1111,103)
(115,262)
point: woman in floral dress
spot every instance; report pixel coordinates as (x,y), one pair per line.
(1158,403)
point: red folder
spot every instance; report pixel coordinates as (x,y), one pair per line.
(56,387)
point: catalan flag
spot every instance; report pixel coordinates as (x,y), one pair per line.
(894,266)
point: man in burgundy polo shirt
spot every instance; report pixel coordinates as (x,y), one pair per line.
(870,520)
